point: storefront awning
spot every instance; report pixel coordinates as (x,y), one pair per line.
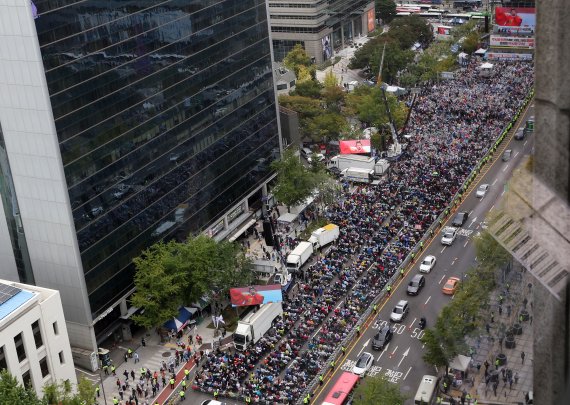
(241,230)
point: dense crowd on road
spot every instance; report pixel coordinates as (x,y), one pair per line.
(452,126)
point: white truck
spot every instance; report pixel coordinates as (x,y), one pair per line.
(358,175)
(299,256)
(250,329)
(271,272)
(325,235)
(343,162)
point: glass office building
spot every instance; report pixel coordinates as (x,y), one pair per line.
(150,119)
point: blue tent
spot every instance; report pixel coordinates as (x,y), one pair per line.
(184,315)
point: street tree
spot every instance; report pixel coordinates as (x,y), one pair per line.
(411,29)
(368,105)
(385,10)
(12,392)
(326,127)
(490,253)
(471,42)
(309,88)
(298,58)
(378,390)
(306,107)
(159,283)
(295,183)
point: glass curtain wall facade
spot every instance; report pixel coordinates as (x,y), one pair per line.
(160,107)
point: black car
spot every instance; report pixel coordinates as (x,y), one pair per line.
(382,338)
(416,284)
(460,219)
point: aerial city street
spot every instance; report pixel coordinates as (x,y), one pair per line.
(250,202)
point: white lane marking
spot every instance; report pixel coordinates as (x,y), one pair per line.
(383,351)
(429,298)
(472,222)
(414,321)
(503,192)
(404,356)
(516,154)
(443,249)
(492,207)
(506,167)
(391,354)
(494,182)
(466,244)
(442,277)
(408,372)
(524,144)
(470,212)
(453,262)
(363,347)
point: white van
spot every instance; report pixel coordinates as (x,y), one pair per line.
(426,391)
(306,152)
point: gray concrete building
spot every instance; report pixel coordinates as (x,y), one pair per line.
(321,26)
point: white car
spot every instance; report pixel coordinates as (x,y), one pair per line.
(427,264)
(400,311)
(319,156)
(449,235)
(363,364)
(482,190)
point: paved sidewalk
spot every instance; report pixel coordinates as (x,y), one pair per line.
(488,345)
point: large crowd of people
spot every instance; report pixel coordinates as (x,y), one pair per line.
(453,125)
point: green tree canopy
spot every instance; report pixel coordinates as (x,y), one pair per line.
(171,274)
(368,105)
(309,88)
(370,54)
(411,29)
(385,10)
(298,58)
(12,392)
(377,390)
(295,182)
(326,127)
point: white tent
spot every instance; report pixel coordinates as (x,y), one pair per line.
(486,69)
(460,363)
(486,65)
(480,52)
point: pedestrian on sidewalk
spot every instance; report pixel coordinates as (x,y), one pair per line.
(517,377)
(133,374)
(113,369)
(508,310)
(136,357)
(143,342)
(522,357)
(492,317)
(488,327)
(500,310)
(172,381)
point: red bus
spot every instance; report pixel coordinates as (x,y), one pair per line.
(340,392)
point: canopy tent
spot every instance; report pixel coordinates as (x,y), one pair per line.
(480,52)
(460,363)
(486,65)
(396,90)
(183,318)
(287,218)
(486,69)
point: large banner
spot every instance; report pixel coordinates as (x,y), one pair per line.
(355,146)
(513,42)
(255,295)
(515,17)
(371,17)
(508,56)
(444,30)
(514,30)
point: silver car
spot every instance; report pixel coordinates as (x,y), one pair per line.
(400,311)
(482,190)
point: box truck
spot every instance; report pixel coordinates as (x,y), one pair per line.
(323,236)
(358,175)
(343,162)
(254,326)
(299,256)
(271,272)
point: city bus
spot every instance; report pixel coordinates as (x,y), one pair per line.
(341,391)
(426,391)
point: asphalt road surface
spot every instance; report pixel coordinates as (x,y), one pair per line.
(401,360)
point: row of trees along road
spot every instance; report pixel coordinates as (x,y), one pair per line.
(466,314)
(172,274)
(12,392)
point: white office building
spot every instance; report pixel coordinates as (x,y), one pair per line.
(34,346)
